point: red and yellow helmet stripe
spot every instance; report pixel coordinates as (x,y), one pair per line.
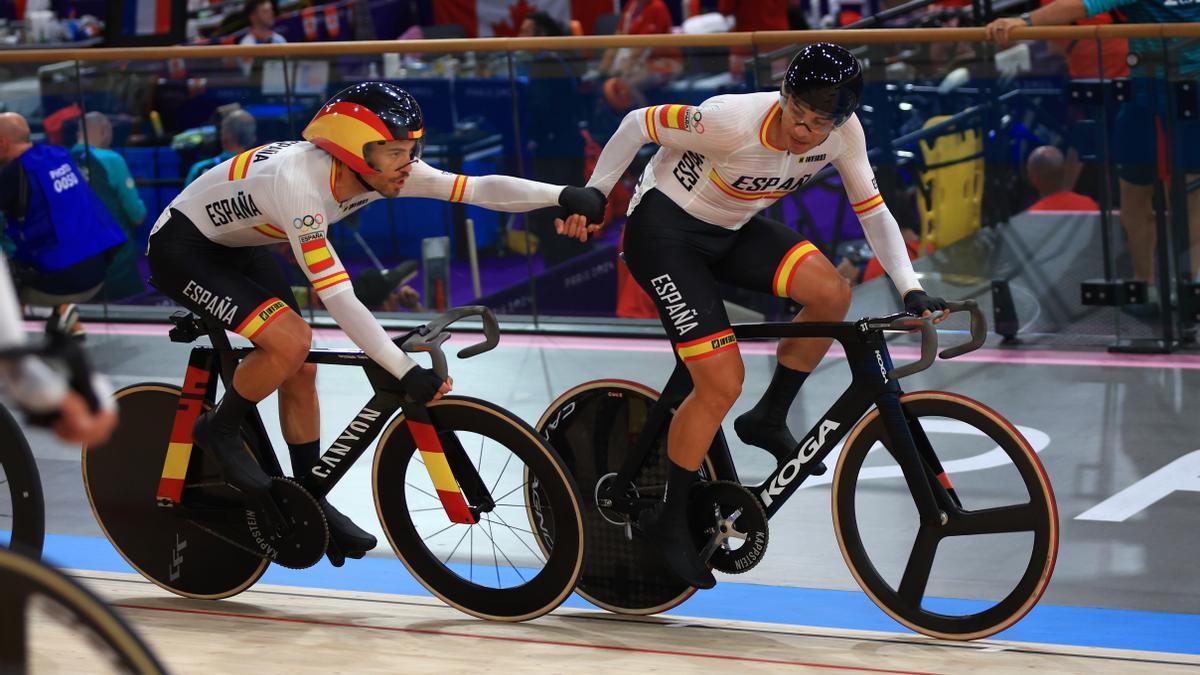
(343,128)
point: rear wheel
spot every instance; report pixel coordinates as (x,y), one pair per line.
(594,427)
(523,556)
(999,538)
(22,510)
(121,479)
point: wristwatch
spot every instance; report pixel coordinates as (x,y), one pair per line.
(1026,18)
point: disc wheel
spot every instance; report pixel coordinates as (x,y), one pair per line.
(998,535)
(121,479)
(494,568)
(594,427)
(22,509)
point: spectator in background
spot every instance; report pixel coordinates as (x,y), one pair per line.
(239,133)
(749,16)
(109,177)
(630,70)
(388,290)
(64,236)
(1139,128)
(556,110)
(260,17)
(1053,176)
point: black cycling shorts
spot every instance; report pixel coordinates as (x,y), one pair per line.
(678,259)
(241,287)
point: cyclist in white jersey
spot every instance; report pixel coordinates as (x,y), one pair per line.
(694,221)
(42,392)
(205,252)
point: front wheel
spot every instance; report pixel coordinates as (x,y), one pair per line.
(22,510)
(523,555)
(999,533)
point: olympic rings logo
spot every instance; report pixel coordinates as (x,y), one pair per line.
(309,221)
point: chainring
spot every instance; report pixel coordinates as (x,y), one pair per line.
(728,525)
(243,527)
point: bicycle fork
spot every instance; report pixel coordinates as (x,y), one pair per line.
(449,468)
(921,468)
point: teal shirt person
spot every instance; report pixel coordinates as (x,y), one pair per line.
(117,191)
(1157,11)
(204,165)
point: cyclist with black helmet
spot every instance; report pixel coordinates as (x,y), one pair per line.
(205,252)
(694,221)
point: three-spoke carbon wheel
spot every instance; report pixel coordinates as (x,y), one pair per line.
(997,537)
(524,554)
(22,510)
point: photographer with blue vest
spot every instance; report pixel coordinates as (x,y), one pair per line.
(64,236)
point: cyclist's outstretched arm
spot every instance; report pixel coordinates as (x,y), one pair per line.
(707,129)
(328,276)
(498,193)
(878,223)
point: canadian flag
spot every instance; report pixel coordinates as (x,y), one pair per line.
(497,18)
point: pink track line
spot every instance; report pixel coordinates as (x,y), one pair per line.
(1030,357)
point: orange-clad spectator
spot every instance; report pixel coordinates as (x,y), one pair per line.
(1082,60)
(754,15)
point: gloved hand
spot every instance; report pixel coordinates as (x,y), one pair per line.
(920,303)
(586,201)
(422,385)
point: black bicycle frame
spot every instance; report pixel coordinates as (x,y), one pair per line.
(869,361)
(387,398)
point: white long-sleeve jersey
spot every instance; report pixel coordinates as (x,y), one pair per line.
(717,163)
(286,192)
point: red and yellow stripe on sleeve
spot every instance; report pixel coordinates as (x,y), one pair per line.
(672,116)
(707,346)
(261,317)
(787,268)
(240,166)
(317,256)
(459,189)
(868,204)
(325,283)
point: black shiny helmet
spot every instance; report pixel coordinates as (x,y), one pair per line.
(826,78)
(369,112)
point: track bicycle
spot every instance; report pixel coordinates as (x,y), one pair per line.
(22,504)
(896,510)
(473,501)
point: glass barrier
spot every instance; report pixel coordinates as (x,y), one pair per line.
(1053,181)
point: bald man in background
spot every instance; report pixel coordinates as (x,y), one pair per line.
(64,236)
(1054,176)
(239,132)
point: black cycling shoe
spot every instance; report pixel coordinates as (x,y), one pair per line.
(238,467)
(348,540)
(775,439)
(674,542)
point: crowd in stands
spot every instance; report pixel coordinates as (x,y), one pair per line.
(621,79)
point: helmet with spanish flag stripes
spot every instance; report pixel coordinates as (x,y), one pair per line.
(365,113)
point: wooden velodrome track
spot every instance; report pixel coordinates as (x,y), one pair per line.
(282,629)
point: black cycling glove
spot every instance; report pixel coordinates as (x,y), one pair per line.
(916,302)
(587,201)
(421,384)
